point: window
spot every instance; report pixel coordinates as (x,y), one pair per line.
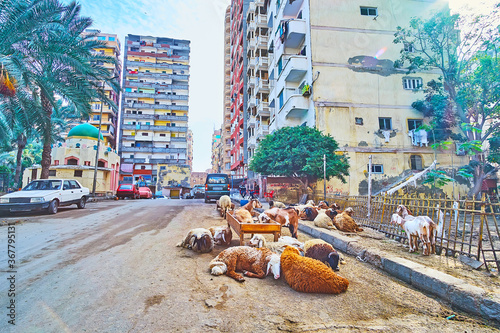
(96,117)
(100,164)
(162,134)
(377,168)
(52,173)
(101,37)
(280,65)
(111,39)
(280,97)
(78,173)
(144,134)
(416,162)
(369,11)
(72,161)
(408,47)
(131,156)
(143,167)
(74,184)
(412,83)
(385,123)
(358,121)
(414,124)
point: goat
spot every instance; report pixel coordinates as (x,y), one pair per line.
(420,227)
(310,275)
(254,203)
(222,235)
(403,211)
(253,262)
(198,240)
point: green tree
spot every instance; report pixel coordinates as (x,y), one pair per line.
(297,152)
(58,60)
(464,101)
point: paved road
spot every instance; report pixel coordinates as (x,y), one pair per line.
(114,267)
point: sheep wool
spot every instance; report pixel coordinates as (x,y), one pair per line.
(310,275)
(344,222)
(198,240)
(323,221)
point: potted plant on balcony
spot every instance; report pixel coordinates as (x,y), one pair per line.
(306,90)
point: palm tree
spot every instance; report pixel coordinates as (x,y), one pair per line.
(57,60)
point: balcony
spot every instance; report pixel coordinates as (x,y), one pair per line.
(252,142)
(251,82)
(137,64)
(167,161)
(295,69)
(251,121)
(154,128)
(296,33)
(135,83)
(157,95)
(158,106)
(296,105)
(153,150)
(292,8)
(262,131)
(261,42)
(157,76)
(262,86)
(251,63)
(251,43)
(178,139)
(263,109)
(251,101)
(262,64)
(134,160)
(154,117)
(261,20)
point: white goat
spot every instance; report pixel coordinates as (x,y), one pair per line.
(420,227)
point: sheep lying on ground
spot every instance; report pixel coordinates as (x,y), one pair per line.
(323,205)
(253,262)
(259,241)
(345,222)
(222,235)
(323,221)
(308,213)
(224,204)
(291,241)
(198,240)
(331,213)
(420,227)
(320,250)
(310,275)
(285,216)
(276,204)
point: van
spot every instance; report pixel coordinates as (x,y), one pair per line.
(216,185)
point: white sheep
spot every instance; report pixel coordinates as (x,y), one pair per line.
(276,204)
(323,221)
(225,204)
(291,241)
(420,227)
(259,241)
(198,240)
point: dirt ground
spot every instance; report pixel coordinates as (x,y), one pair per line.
(115,268)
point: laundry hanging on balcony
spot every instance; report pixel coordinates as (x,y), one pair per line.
(418,137)
(387,135)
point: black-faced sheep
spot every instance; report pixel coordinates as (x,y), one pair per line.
(310,275)
(198,240)
(253,262)
(222,235)
(320,250)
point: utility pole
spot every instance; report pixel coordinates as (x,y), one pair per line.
(369,183)
(97,153)
(324,177)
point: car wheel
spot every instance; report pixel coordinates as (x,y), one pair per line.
(53,206)
(81,204)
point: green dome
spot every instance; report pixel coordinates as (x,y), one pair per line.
(84,131)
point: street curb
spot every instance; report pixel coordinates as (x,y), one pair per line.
(456,292)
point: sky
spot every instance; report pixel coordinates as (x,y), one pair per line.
(201,22)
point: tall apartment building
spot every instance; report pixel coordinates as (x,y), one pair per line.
(332,68)
(238,86)
(226,121)
(154,112)
(190,147)
(109,115)
(217,152)
(258,114)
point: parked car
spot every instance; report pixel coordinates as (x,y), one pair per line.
(145,193)
(128,191)
(216,185)
(198,191)
(47,194)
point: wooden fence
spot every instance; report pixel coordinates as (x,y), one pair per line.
(470,225)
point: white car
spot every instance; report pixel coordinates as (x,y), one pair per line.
(46,194)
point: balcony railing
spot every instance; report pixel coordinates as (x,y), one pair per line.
(261,42)
(157,95)
(133,83)
(262,130)
(129,64)
(178,139)
(296,105)
(154,128)
(295,68)
(154,116)
(297,30)
(263,109)
(153,150)
(157,75)
(158,106)
(251,121)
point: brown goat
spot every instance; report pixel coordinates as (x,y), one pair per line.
(287,217)
(310,275)
(254,203)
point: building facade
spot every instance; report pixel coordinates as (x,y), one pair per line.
(154,110)
(217,152)
(226,119)
(190,145)
(238,46)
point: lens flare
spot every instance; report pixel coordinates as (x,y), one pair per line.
(380,52)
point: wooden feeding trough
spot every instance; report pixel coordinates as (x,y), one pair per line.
(253,228)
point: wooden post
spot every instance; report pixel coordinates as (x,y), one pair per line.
(369,184)
(324,177)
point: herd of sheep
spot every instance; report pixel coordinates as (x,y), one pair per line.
(308,266)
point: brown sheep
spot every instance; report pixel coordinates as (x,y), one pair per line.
(344,221)
(310,275)
(222,235)
(324,253)
(198,240)
(253,262)
(308,213)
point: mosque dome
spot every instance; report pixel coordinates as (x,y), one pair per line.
(84,131)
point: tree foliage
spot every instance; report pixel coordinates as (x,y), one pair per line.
(464,101)
(298,152)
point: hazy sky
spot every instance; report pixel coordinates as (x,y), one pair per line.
(201,22)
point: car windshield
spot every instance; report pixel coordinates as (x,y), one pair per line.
(44,185)
(126,187)
(218,180)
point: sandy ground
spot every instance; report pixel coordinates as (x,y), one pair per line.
(114,267)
